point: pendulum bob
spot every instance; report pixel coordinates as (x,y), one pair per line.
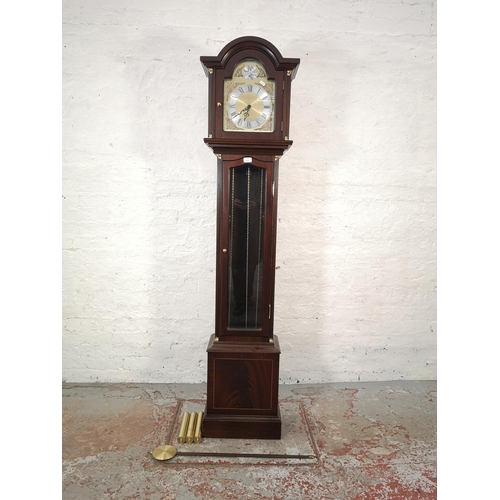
(164,452)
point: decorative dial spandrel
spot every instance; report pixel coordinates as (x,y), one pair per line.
(249,99)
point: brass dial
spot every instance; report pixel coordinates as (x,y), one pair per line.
(249,99)
(249,107)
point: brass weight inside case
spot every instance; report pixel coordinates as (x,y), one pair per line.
(191,428)
(183,429)
(197,434)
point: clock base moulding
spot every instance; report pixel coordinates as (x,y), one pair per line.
(242,427)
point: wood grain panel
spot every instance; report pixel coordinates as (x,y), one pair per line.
(247,384)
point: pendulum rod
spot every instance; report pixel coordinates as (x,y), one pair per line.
(167,452)
(244,455)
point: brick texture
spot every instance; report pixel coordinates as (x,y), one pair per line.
(356,256)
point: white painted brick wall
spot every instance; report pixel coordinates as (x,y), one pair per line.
(356,257)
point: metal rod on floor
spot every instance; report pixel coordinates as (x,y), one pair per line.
(166,452)
(242,455)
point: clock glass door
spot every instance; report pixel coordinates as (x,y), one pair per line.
(246,233)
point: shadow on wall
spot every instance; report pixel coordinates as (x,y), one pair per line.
(306,233)
(180,180)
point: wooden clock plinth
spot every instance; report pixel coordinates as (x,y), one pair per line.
(242,390)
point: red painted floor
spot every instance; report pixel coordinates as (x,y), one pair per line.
(368,441)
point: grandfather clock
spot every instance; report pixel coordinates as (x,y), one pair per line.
(248,130)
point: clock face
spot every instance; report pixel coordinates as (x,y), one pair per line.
(249,107)
(249,99)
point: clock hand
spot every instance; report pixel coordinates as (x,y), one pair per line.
(245,111)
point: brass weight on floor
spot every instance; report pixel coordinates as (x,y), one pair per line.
(189,432)
(197,433)
(191,428)
(183,429)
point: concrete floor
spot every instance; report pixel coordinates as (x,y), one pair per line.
(367,441)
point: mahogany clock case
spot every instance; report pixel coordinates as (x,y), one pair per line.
(244,353)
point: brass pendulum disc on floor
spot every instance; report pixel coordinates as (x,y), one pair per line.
(165,452)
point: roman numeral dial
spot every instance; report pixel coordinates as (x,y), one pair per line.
(249,106)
